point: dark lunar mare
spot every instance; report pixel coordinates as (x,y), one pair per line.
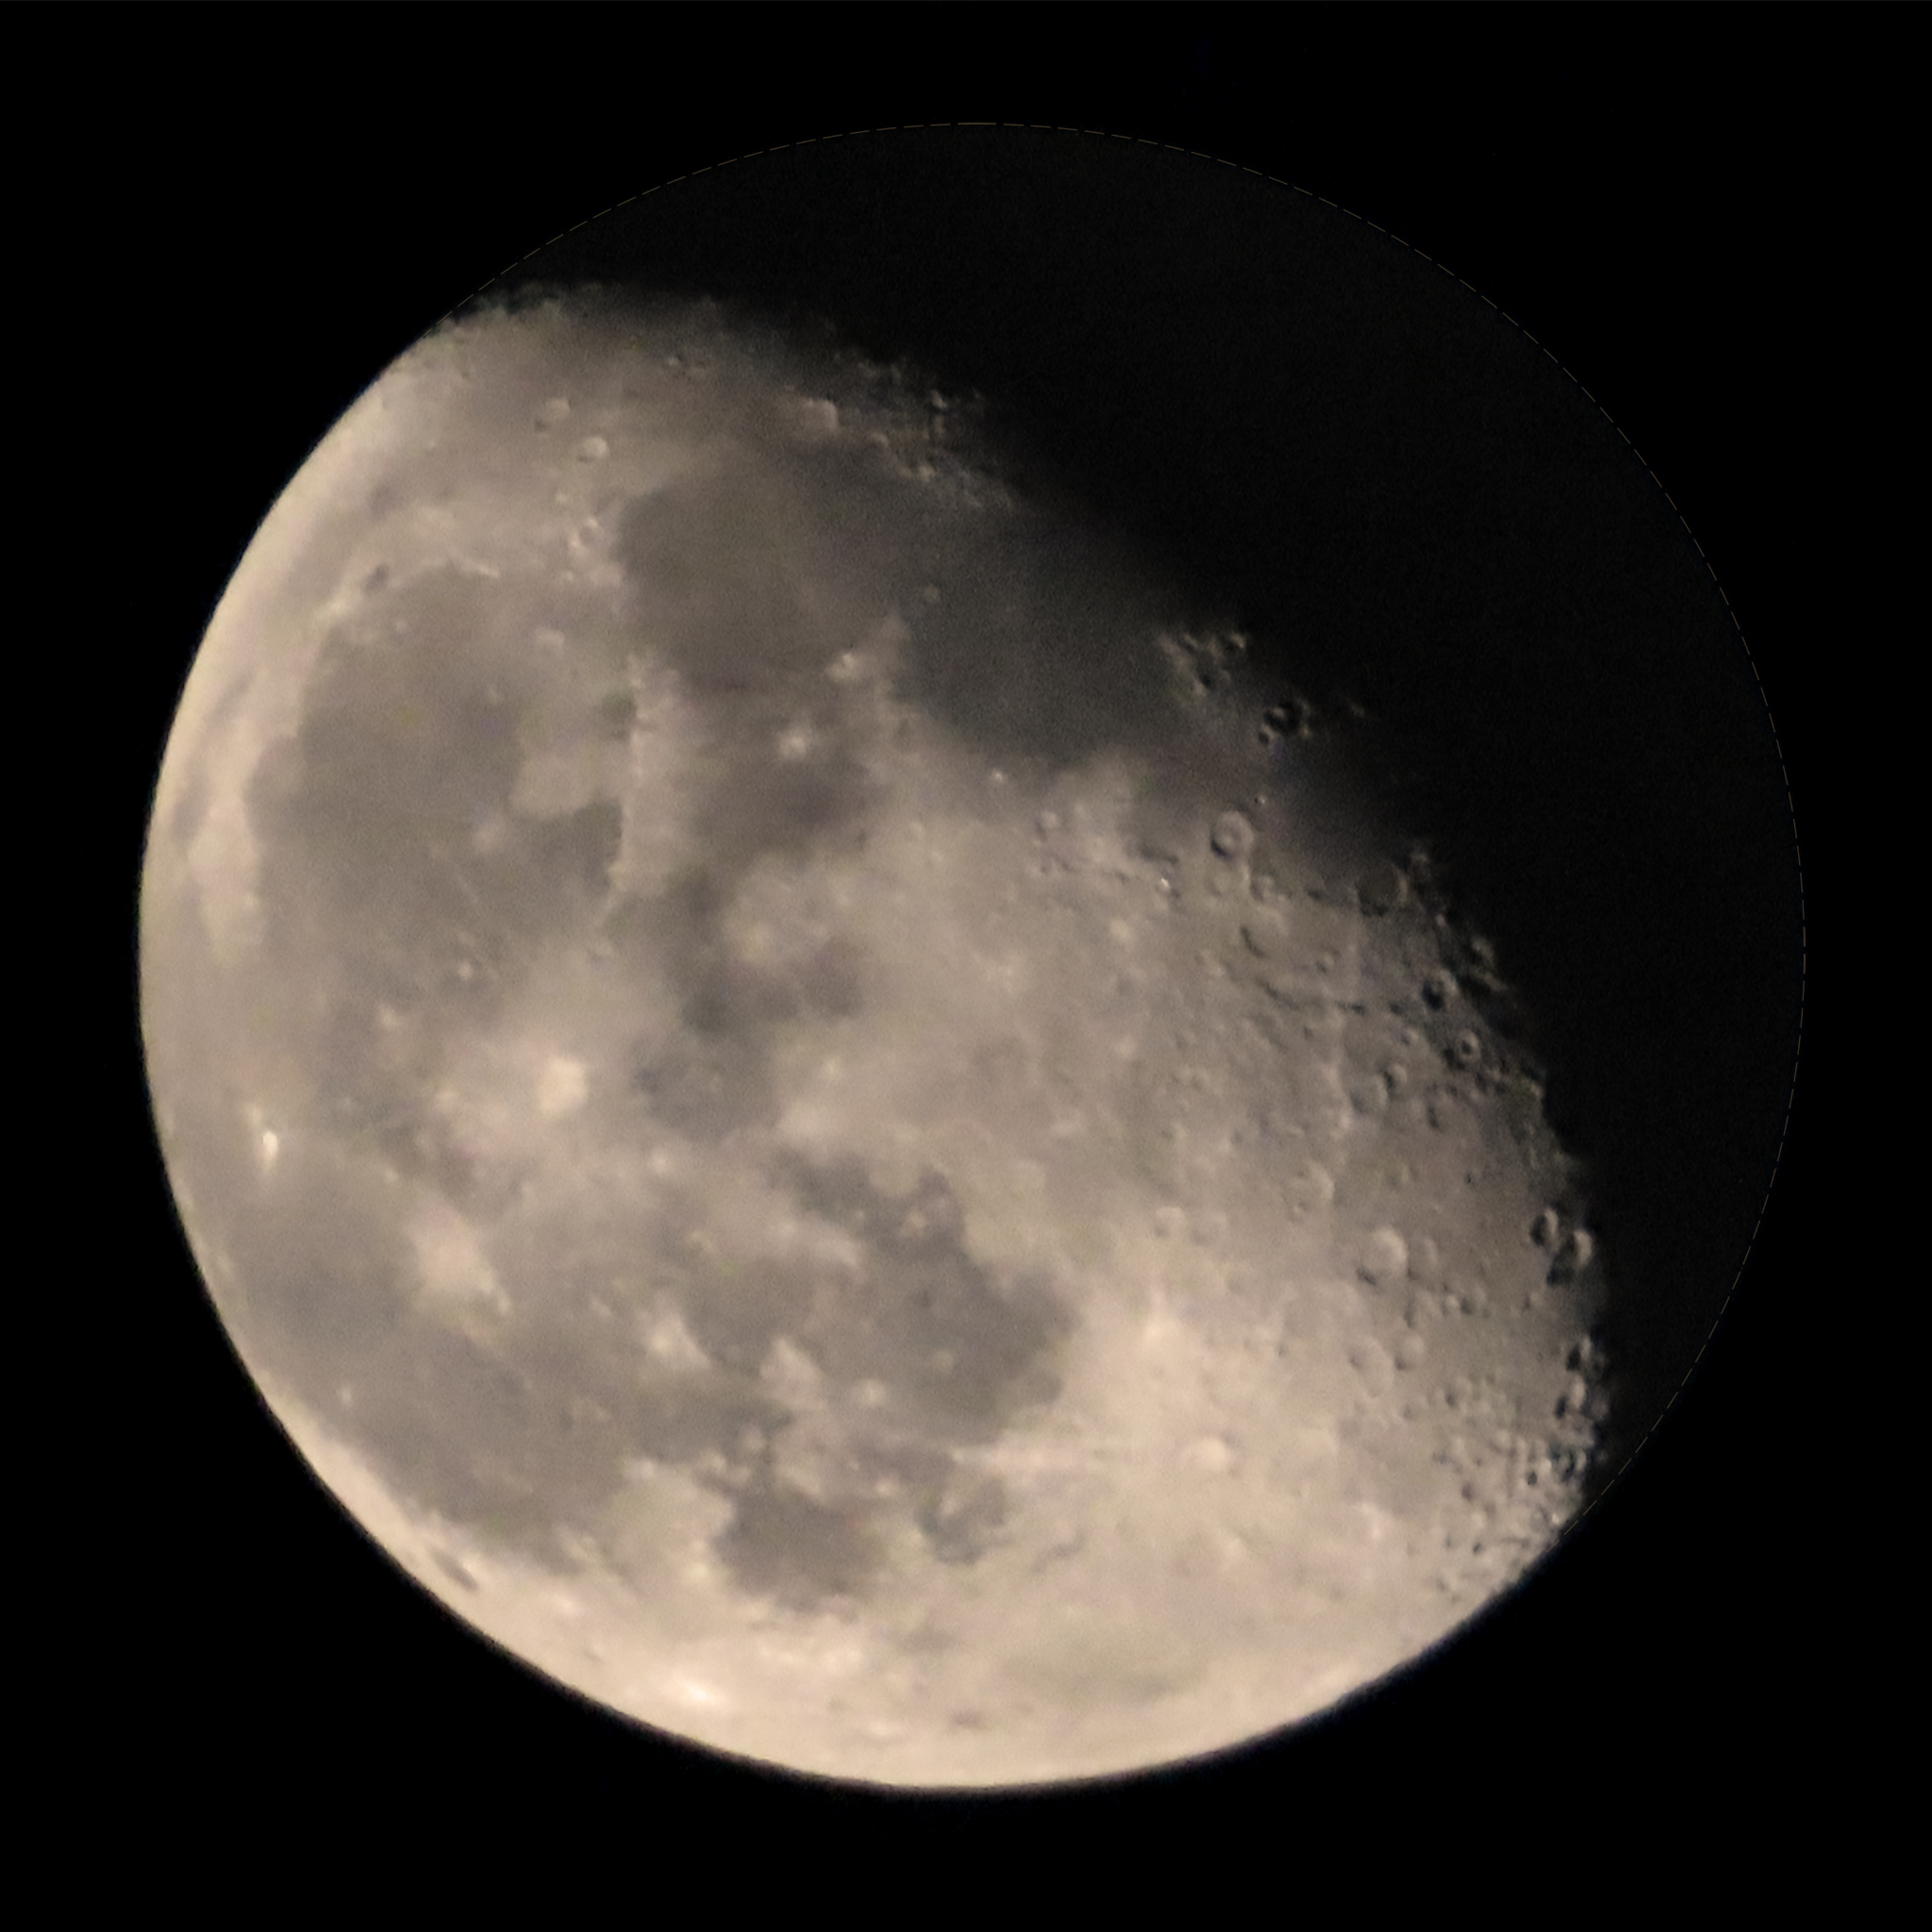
(393,936)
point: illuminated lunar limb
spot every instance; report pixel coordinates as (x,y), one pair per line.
(843,1221)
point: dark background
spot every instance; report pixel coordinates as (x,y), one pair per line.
(1693,225)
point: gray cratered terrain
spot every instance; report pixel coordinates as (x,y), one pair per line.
(824,1204)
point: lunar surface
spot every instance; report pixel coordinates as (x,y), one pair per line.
(892,1264)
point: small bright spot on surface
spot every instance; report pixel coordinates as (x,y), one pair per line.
(268,1144)
(1211,1455)
(563,1088)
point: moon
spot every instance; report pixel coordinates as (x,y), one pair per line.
(819,1099)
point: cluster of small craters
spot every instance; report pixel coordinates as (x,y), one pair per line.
(1208,665)
(1572,1249)
(1337,1067)
(1292,717)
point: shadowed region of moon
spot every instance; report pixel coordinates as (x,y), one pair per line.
(892,1105)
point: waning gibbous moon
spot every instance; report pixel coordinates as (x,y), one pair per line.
(818,1098)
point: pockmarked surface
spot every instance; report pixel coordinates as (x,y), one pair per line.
(905,1261)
